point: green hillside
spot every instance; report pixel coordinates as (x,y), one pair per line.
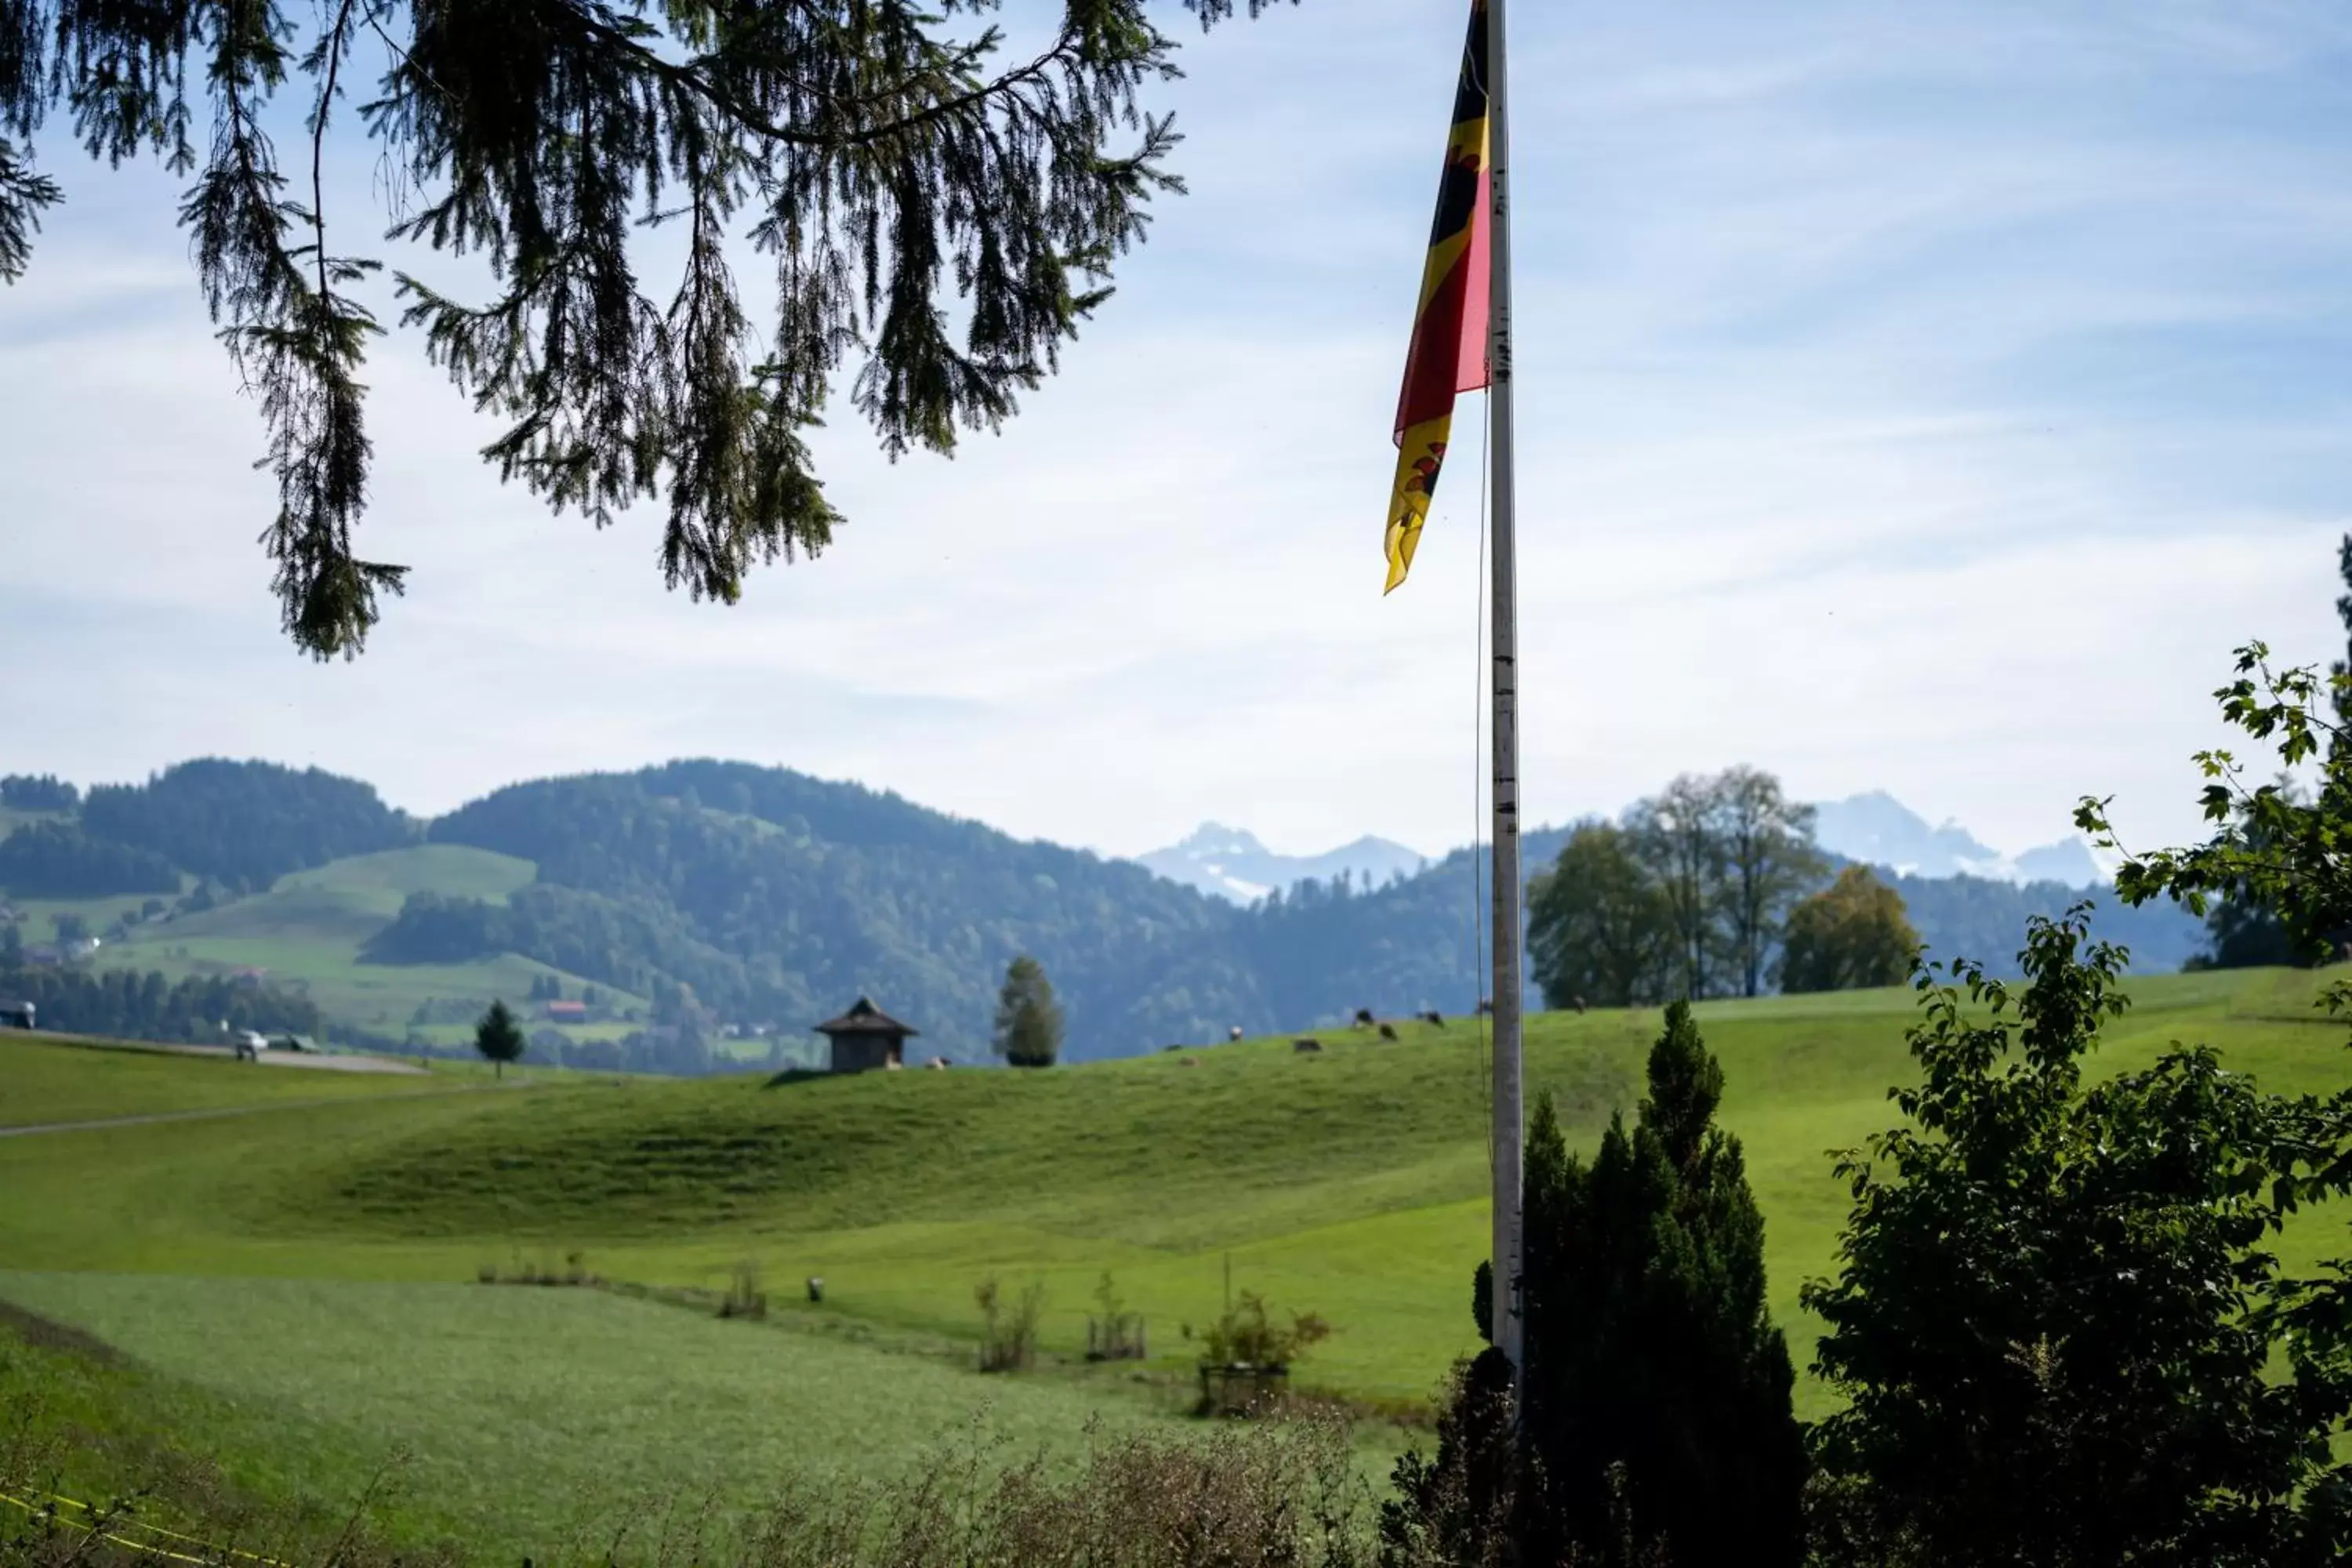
(703,894)
(45,1081)
(1350,1182)
(307,931)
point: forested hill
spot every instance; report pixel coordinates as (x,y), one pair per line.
(728,893)
(780,898)
(240,825)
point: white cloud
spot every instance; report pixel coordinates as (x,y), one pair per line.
(1822,471)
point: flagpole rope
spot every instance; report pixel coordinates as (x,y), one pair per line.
(1478,956)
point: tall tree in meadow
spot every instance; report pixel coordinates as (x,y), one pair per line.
(1600,929)
(937,221)
(1028,1019)
(499,1038)
(1768,862)
(1657,1388)
(1678,832)
(1850,936)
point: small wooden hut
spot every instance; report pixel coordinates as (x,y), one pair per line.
(865,1038)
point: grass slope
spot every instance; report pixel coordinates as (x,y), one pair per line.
(285,1381)
(1350,1182)
(45,1081)
(309,928)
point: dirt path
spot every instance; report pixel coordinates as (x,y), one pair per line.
(155,1116)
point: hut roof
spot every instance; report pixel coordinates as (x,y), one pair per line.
(865,1018)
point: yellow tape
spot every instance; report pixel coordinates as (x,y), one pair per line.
(149,1548)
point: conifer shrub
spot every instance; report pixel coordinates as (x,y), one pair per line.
(1657,1421)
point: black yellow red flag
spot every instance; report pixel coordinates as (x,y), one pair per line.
(1448,356)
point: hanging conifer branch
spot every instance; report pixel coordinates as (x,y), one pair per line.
(937,225)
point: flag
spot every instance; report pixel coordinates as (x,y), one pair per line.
(1448,356)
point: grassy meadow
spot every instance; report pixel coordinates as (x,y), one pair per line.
(316,1263)
(307,933)
(49,1078)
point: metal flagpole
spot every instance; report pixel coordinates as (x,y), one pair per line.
(1509,1118)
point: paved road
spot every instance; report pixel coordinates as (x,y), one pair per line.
(312,1059)
(321,1060)
(156,1116)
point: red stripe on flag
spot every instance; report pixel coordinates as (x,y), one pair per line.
(1472,373)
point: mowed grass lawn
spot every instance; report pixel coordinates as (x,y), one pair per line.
(513,1416)
(1349,1183)
(45,1081)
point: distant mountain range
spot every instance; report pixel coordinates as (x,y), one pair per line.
(1878,829)
(1875,828)
(1230,863)
(712,896)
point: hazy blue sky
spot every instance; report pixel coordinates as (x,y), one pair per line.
(1922,396)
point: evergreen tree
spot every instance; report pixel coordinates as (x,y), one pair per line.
(498,1037)
(1658,1416)
(1028,1019)
(897,176)
(38,792)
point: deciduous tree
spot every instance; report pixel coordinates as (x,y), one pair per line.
(1768,862)
(2056,1327)
(1851,935)
(1600,929)
(1679,835)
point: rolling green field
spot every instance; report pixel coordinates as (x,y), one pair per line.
(602,1403)
(307,932)
(1349,1183)
(44,1079)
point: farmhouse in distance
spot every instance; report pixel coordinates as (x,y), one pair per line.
(865,1039)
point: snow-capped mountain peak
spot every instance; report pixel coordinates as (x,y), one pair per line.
(1231,863)
(1877,828)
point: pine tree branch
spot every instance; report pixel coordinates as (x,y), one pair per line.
(695,79)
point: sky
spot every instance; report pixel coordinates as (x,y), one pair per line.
(1925,398)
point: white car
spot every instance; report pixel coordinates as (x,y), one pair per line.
(249,1045)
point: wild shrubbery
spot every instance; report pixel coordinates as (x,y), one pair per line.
(1008,1333)
(1287,1495)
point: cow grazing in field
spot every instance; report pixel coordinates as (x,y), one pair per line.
(1364,1019)
(1388,1031)
(1435,1020)
(1305,1045)
(1235,1033)
(939,1064)
(1485,1007)
(1578,1005)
